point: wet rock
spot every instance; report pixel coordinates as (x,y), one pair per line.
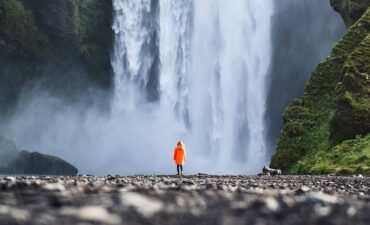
(270,171)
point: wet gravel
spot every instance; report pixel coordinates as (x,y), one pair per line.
(198,199)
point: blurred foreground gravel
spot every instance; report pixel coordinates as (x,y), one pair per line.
(198,199)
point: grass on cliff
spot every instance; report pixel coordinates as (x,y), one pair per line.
(349,157)
(306,139)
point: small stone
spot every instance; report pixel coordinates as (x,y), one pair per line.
(272,204)
(98,214)
(322,198)
(144,205)
(54,187)
(10,178)
(188,182)
(17,214)
(302,190)
(351,211)
(202,174)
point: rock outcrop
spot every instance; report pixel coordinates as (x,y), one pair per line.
(37,163)
(327,130)
(13,161)
(350,10)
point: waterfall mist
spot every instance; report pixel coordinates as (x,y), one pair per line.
(213,57)
(195,70)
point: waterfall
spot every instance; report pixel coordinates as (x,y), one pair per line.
(196,71)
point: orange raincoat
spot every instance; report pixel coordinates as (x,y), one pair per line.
(179,155)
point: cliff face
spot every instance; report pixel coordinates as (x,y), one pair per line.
(327,130)
(350,10)
(303,34)
(62,39)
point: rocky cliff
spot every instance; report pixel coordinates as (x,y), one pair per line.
(327,130)
(350,10)
(62,41)
(14,161)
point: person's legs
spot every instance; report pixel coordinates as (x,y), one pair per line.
(181,169)
(178,169)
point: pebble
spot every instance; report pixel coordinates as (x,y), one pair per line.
(10,178)
(173,200)
(143,204)
(54,187)
(97,214)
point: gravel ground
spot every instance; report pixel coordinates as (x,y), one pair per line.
(198,199)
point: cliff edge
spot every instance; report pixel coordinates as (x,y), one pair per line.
(327,130)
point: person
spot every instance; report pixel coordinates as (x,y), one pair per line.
(179,156)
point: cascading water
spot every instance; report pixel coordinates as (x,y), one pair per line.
(194,70)
(184,69)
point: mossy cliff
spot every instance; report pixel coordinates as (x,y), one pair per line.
(56,38)
(327,130)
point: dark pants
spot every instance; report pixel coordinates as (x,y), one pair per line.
(179,169)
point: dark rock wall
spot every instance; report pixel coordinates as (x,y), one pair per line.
(350,10)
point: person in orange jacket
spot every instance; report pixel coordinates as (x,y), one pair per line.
(179,156)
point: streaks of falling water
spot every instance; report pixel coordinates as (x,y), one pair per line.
(203,65)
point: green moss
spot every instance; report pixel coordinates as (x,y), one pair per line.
(96,61)
(352,116)
(18,28)
(308,123)
(72,38)
(349,157)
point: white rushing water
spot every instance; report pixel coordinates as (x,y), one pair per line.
(195,71)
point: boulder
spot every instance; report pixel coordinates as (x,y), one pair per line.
(37,163)
(269,171)
(13,161)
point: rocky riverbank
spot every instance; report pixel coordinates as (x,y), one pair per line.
(200,199)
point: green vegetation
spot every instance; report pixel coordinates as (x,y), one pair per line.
(334,108)
(349,157)
(19,29)
(60,41)
(353,102)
